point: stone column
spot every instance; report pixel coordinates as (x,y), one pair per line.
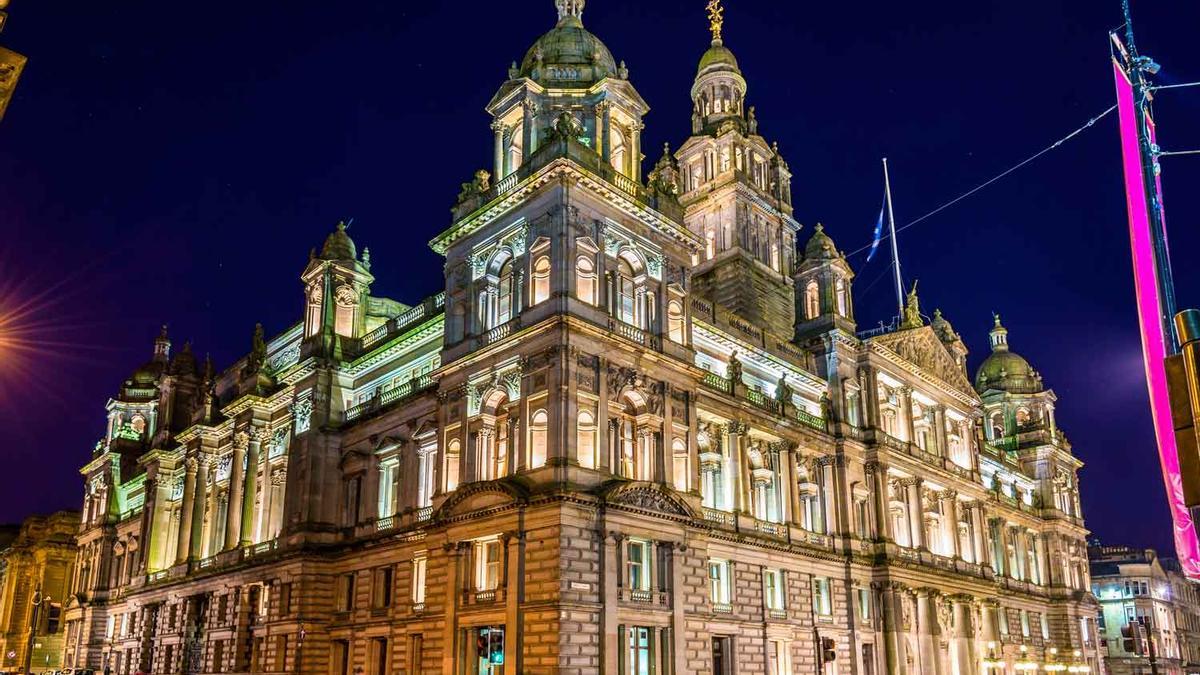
(916,512)
(188,504)
(200,497)
(870,397)
(233,519)
(498,153)
(740,475)
(979,527)
(962,644)
(928,632)
(950,521)
(893,630)
(529,128)
(939,431)
(635,156)
(1021,545)
(881,498)
(603,130)
(906,404)
(250,489)
(1043,561)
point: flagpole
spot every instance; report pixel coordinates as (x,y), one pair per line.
(887,186)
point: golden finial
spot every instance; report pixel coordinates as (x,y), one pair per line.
(716,18)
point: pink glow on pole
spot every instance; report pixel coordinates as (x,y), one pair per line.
(1154,348)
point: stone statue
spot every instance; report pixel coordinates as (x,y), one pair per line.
(481,184)
(826,407)
(734,370)
(752,121)
(258,350)
(783,391)
(912,310)
(664,178)
(566,126)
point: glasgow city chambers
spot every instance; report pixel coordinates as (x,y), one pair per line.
(638,432)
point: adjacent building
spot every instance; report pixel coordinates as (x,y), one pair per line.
(638,431)
(1148,609)
(35,572)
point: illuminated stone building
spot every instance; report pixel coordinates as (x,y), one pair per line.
(35,568)
(1140,591)
(637,432)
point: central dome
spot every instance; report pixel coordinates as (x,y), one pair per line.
(568,54)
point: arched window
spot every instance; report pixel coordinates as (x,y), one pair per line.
(812,300)
(997,425)
(585,279)
(616,149)
(537,439)
(675,322)
(515,152)
(679,464)
(843,300)
(541,279)
(627,309)
(586,439)
(453,453)
(504,294)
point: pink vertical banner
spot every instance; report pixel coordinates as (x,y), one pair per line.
(1149,305)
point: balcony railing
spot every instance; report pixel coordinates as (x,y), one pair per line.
(721,384)
(389,395)
(407,320)
(719,517)
(809,419)
(424,513)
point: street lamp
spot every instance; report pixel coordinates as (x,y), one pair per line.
(37,601)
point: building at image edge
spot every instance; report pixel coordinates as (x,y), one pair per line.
(637,432)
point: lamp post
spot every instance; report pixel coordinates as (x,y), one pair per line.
(36,612)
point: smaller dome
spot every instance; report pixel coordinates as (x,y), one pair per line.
(339,245)
(1006,370)
(718,57)
(820,245)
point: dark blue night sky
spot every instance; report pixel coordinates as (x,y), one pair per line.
(170,162)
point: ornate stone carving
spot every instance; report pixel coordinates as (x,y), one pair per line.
(922,348)
(302,409)
(647,497)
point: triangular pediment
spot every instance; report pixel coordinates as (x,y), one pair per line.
(922,348)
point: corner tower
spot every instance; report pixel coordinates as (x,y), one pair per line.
(736,194)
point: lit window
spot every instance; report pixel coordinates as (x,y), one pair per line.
(504,295)
(487,565)
(864,604)
(616,149)
(418,580)
(627,309)
(843,298)
(679,464)
(453,452)
(637,565)
(639,651)
(541,279)
(537,439)
(719,587)
(773,582)
(822,600)
(812,300)
(585,279)
(586,439)
(675,322)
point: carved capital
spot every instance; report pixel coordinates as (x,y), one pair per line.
(241,440)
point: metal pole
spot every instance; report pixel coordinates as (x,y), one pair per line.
(1150,170)
(33,621)
(887,185)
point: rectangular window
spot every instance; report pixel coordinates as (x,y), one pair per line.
(777,658)
(864,604)
(822,598)
(487,565)
(346,592)
(1024,623)
(640,648)
(637,565)
(418,580)
(381,593)
(719,586)
(1045,627)
(379,657)
(774,588)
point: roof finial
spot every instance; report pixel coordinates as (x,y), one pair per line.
(569,9)
(716,19)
